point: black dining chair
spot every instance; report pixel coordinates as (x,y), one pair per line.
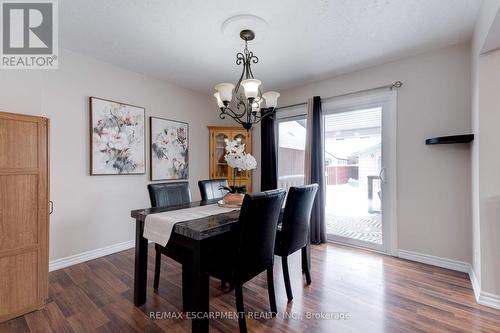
(293,234)
(211,189)
(168,195)
(250,251)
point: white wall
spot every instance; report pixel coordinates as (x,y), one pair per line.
(489,171)
(485,158)
(434,214)
(92,212)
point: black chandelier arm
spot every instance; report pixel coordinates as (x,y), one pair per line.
(254,59)
(237,87)
(250,59)
(252,117)
(223,115)
(256,117)
(240,105)
(229,112)
(245,60)
(240,101)
(240,58)
(265,112)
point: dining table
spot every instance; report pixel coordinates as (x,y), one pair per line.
(192,238)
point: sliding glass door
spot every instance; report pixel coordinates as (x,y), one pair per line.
(359,166)
(358,149)
(353,153)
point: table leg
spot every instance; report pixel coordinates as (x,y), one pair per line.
(186,287)
(141,265)
(199,291)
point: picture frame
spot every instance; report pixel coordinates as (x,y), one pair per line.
(117,138)
(169,149)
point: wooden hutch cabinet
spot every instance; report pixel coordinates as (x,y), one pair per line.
(24,214)
(218,166)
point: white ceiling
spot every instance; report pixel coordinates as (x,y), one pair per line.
(180,41)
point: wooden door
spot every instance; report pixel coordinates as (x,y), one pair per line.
(23,214)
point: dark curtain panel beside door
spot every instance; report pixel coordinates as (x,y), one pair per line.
(315,167)
(268,163)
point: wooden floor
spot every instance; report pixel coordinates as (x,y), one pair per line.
(373,293)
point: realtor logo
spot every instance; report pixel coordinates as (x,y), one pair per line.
(29,35)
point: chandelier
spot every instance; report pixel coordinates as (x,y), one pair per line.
(248,108)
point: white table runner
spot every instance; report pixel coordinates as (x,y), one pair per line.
(158,227)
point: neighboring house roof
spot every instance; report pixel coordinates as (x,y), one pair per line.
(292,135)
(355,121)
(370,149)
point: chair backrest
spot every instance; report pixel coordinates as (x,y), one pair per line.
(296,218)
(257,223)
(169,194)
(210,189)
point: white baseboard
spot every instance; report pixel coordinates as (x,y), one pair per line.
(483,297)
(89,255)
(476,284)
(452,264)
(489,299)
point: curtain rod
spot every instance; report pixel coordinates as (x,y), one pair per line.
(395,85)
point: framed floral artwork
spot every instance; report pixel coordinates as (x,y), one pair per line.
(117,138)
(169,149)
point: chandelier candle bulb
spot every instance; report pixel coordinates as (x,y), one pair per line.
(271,98)
(225,91)
(219,101)
(251,87)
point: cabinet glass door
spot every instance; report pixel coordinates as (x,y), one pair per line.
(220,167)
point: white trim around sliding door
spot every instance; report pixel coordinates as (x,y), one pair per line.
(391,121)
(388,101)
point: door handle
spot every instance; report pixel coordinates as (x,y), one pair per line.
(381,175)
(51,207)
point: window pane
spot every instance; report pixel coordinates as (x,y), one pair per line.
(291,148)
(353,158)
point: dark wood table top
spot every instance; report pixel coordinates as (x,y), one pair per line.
(196,229)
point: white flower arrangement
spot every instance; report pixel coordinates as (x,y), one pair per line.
(240,161)
(237,158)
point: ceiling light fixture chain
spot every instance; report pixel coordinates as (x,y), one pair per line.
(248,99)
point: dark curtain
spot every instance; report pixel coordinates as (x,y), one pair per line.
(317,170)
(269,170)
